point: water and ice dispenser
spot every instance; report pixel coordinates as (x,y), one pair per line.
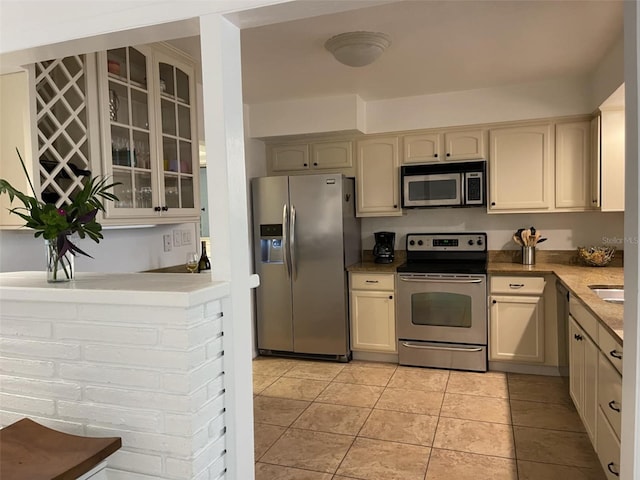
(271,243)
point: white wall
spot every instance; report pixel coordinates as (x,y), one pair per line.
(609,74)
(121,250)
(565,231)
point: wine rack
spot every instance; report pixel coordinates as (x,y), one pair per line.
(62,127)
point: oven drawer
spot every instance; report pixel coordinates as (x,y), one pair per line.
(372,281)
(517,285)
(442,355)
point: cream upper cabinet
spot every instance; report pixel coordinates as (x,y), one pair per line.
(612,155)
(595,161)
(454,145)
(290,157)
(573,165)
(422,148)
(15,133)
(465,145)
(150,145)
(373,318)
(332,154)
(377,177)
(520,168)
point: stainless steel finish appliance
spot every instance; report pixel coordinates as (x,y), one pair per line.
(384,249)
(455,184)
(442,301)
(305,234)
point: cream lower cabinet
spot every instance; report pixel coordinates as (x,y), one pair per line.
(517,320)
(377,177)
(373,313)
(583,376)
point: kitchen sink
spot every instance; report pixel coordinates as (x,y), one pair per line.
(609,293)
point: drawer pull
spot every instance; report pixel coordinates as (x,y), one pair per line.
(577,336)
(516,285)
(610,468)
(616,354)
(613,406)
(371,281)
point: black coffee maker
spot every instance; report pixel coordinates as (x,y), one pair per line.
(383,249)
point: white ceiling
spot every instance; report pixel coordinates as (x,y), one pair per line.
(437,46)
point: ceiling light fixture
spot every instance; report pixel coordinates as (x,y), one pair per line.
(357,49)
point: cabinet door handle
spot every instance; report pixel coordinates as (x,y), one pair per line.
(156,209)
(616,354)
(610,468)
(613,406)
(493,204)
(304,165)
(435,155)
(577,336)
(165,208)
(390,297)
(315,164)
(371,281)
(448,154)
(395,206)
(516,285)
(494,301)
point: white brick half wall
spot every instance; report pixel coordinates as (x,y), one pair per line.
(137,356)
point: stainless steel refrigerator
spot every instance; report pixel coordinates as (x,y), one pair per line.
(305,235)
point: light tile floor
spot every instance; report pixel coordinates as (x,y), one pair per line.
(375,421)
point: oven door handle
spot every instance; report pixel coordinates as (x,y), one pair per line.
(449,349)
(441,280)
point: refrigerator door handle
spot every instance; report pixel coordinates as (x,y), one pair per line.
(285,240)
(292,243)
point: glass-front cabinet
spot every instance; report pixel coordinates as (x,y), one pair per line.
(147,100)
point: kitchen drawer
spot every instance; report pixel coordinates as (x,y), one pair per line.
(610,392)
(517,285)
(610,347)
(608,448)
(584,317)
(372,281)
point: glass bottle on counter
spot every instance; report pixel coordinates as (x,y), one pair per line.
(204,263)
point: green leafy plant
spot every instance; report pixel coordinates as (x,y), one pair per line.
(56,224)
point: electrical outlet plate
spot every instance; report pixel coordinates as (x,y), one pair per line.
(177,238)
(166,239)
(186,237)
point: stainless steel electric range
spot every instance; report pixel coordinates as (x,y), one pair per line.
(442,301)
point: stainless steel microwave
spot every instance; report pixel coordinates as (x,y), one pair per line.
(460,184)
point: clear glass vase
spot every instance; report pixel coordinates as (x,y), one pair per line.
(59,267)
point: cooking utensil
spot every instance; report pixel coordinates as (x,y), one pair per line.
(542,240)
(526,236)
(518,240)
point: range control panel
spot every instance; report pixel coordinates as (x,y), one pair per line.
(446,242)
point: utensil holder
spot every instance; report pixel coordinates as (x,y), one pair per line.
(528,255)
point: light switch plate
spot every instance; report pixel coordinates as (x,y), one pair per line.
(177,238)
(166,239)
(186,237)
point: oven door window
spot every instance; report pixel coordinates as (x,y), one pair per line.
(441,309)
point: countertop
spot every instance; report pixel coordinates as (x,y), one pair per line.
(576,278)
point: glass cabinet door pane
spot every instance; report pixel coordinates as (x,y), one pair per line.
(186,192)
(170,150)
(117,62)
(139,109)
(138,65)
(186,165)
(141,150)
(118,103)
(124,191)
(166,79)
(120,146)
(168,117)
(184,122)
(441,309)
(171,196)
(143,189)
(183,86)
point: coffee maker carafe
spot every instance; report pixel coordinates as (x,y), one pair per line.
(383,249)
